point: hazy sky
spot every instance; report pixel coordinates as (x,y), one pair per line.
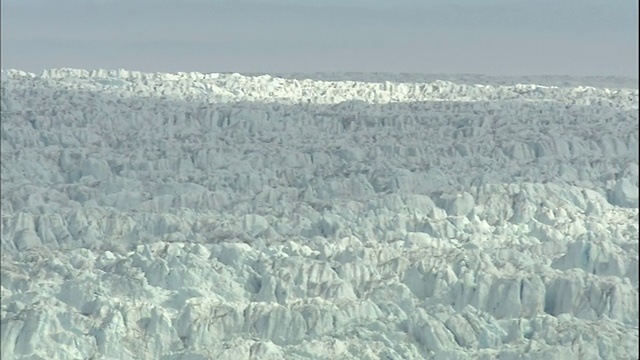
(495,37)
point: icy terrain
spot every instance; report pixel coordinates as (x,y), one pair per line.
(222,216)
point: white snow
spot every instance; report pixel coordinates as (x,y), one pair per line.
(223,216)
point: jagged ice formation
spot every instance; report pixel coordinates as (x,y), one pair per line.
(222,216)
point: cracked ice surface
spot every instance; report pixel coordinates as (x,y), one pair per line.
(222,216)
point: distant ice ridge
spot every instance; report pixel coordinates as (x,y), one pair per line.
(191,216)
(237,88)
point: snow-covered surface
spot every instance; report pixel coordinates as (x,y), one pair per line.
(222,216)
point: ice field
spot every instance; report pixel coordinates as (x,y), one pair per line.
(225,216)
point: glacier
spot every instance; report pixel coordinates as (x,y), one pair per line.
(229,216)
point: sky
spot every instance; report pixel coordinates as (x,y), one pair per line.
(491,37)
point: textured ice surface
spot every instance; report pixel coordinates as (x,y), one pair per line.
(222,216)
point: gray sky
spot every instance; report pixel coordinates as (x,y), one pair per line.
(494,37)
